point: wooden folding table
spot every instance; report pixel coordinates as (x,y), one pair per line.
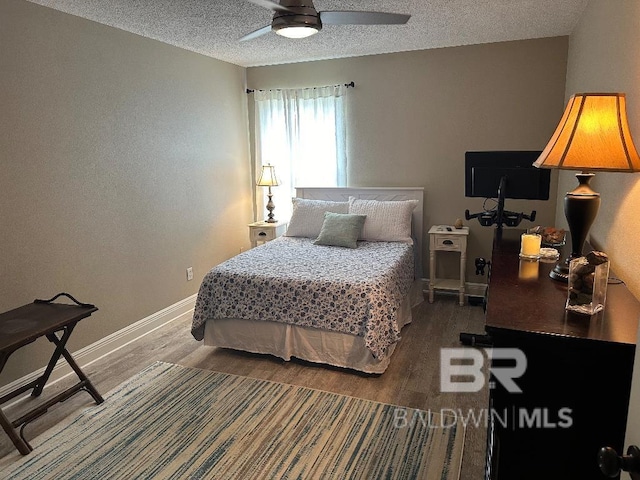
(24,325)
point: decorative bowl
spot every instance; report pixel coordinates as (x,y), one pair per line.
(551,236)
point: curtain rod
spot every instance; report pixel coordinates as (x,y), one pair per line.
(350,84)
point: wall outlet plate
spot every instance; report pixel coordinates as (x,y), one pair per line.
(189,273)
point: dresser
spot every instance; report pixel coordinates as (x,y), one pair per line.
(576,386)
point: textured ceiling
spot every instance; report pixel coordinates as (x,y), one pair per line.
(213,27)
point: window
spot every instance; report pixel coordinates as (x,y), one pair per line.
(302,133)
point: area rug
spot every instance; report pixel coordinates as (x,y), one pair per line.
(173,422)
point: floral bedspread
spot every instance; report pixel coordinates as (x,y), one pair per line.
(290,280)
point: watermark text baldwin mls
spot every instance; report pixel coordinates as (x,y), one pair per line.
(461,371)
(515,418)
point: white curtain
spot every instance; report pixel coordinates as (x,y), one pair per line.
(302,133)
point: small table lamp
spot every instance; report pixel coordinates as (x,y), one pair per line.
(593,134)
(268,179)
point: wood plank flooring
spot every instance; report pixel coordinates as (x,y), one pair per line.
(412,379)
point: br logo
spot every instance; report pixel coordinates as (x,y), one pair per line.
(467,363)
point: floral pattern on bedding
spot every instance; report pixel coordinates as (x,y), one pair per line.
(291,280)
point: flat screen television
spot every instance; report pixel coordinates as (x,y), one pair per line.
(485,170)
(505,174)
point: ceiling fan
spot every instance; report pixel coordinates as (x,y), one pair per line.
(299,18)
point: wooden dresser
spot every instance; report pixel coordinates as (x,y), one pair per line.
(575,390)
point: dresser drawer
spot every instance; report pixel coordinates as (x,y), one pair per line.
(262,234)
(451,243)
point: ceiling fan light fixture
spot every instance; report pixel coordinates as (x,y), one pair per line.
(303,22)
(300,19)
(296,31)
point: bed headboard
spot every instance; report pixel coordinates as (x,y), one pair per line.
(342,194)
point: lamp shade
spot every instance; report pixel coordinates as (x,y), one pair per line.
(268,177)
(592,135)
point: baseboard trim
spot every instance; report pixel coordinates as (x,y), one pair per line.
(471,289)
(109,344)
(475,289)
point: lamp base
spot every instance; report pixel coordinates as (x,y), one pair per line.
(270,208)
(560,273)
(580,208)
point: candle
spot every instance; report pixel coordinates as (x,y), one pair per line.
(530,246)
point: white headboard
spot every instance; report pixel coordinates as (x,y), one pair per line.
(342,194)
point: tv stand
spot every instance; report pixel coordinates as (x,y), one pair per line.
(493,217)
(499,216)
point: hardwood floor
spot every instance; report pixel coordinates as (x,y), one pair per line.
(412,379)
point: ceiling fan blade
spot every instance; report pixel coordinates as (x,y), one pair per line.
(362,18)
(256,33)
(276,7)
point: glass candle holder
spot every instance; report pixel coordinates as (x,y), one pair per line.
(588,278)
(530,246)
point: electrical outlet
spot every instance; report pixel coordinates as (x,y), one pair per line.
(189,273)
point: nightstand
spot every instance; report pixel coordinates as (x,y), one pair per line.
(263,231)
(444,238)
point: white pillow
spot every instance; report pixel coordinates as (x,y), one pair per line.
(308,216)
(387,221)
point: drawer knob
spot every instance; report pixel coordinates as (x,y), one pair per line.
(447,242)
(262,234)
(611,464)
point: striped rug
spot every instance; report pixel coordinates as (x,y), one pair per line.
(176,422)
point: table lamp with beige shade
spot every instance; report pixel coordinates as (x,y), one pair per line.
(593,135)
(268,179)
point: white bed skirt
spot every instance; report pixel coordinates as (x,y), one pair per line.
(306,343)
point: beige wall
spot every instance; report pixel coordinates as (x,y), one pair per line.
(123,162)
(603,57)
(412,117)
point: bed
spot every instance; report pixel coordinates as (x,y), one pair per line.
(302,296)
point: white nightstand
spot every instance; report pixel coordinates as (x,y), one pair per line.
(448,239)
(263,231)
